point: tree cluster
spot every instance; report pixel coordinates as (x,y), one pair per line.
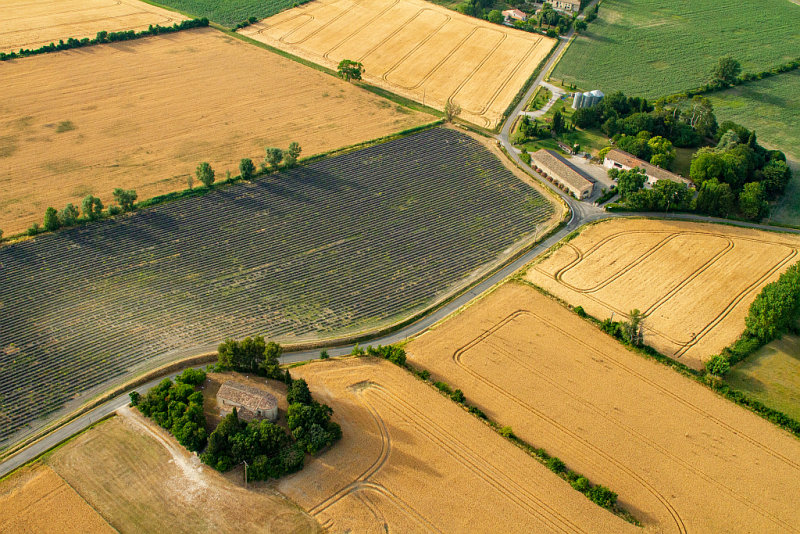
(105,37)
(310,421)
(91,209)
(251,355)
(178,407)
(738,174)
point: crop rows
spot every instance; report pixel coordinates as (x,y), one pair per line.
(341,245)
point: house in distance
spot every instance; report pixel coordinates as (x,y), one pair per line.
(619,159)
(514,14)
(250,402)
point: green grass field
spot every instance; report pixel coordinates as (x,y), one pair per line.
(229,12)
(771,107)
(656,47)
(772,375)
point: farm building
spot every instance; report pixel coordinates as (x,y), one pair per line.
(573,6)
(619,159)
(515,14)
(558,170)
(250,403)
(587,100)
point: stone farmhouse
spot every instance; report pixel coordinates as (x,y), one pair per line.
(250,403)
(619,159)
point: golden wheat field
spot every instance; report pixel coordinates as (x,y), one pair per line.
(693,282)
(411,460)
(413,48)
(142,114)
(35,499)
(681,458)
(31,24)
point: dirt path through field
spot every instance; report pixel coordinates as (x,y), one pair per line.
(681,458)
(413,461)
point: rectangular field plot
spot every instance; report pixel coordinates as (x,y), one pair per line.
(693,282)
(340,246)
(415,49)
(89,120)
(681,458)
(411,460)
(654,48)
(32,24)
(36,499)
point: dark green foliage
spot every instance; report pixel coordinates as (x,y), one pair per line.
(715,198)
(726,72)
(323,354)
(555,465)
(125,198)
(246,169)
(777,307)
(33,229)
(69,215)
(718,365)
(273,157)
(581,484)
(443,387)
(602,496)
(298,392)
(104,37)
(507,432)
(424,374)
(178,408)
(51,221)
(477,411)
(458,396)
(251,355)
(311,426)
(396,355)
(92,207)
(664,196)
(580,311)
(191,376)
(291,155)
(350,70)
(752,201)
(205,174)
(628,181)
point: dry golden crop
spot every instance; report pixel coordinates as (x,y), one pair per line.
(142,114)
(29,24)
(411,460)
(414,48)
(693,282)
(682,458)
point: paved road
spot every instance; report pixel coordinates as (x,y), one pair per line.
(581,213)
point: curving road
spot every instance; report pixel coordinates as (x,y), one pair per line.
(581,213)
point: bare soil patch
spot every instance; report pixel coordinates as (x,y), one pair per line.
(35,499)
(28,24)
(411,460)
(141,480)
(694,282)
(681,458)
(134,125)
(413,48)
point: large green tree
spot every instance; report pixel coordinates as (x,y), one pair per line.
(350,70)
(726,71)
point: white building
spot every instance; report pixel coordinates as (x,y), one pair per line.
(625,161)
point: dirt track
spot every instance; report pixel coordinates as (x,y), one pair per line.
(681,458)
(89,120)
(28,24)
(413,461)
(36,499)
(413,48)
(694,282)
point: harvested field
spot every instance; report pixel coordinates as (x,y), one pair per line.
(415,49)
(141,480)
(347,244)
(28,24)
(35,499)
(693,282)
(411,460)
(682,458)
(88,120)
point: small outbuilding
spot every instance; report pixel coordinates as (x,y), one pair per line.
(559,171)
(515,14)
(250,402)
(570,6)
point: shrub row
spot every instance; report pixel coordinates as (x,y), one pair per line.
(712,87)
(104,37)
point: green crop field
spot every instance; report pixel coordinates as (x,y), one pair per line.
(772,375)
(771,107)
(656,47)
(342,245)
(229,12)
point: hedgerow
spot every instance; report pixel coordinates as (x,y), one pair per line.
(104,37)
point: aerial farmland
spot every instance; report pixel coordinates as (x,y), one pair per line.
(33,24)
(415,49)
(663,268)
(135,130)
(296,266)
(681,458)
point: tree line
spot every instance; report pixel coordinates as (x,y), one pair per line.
(105,37)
